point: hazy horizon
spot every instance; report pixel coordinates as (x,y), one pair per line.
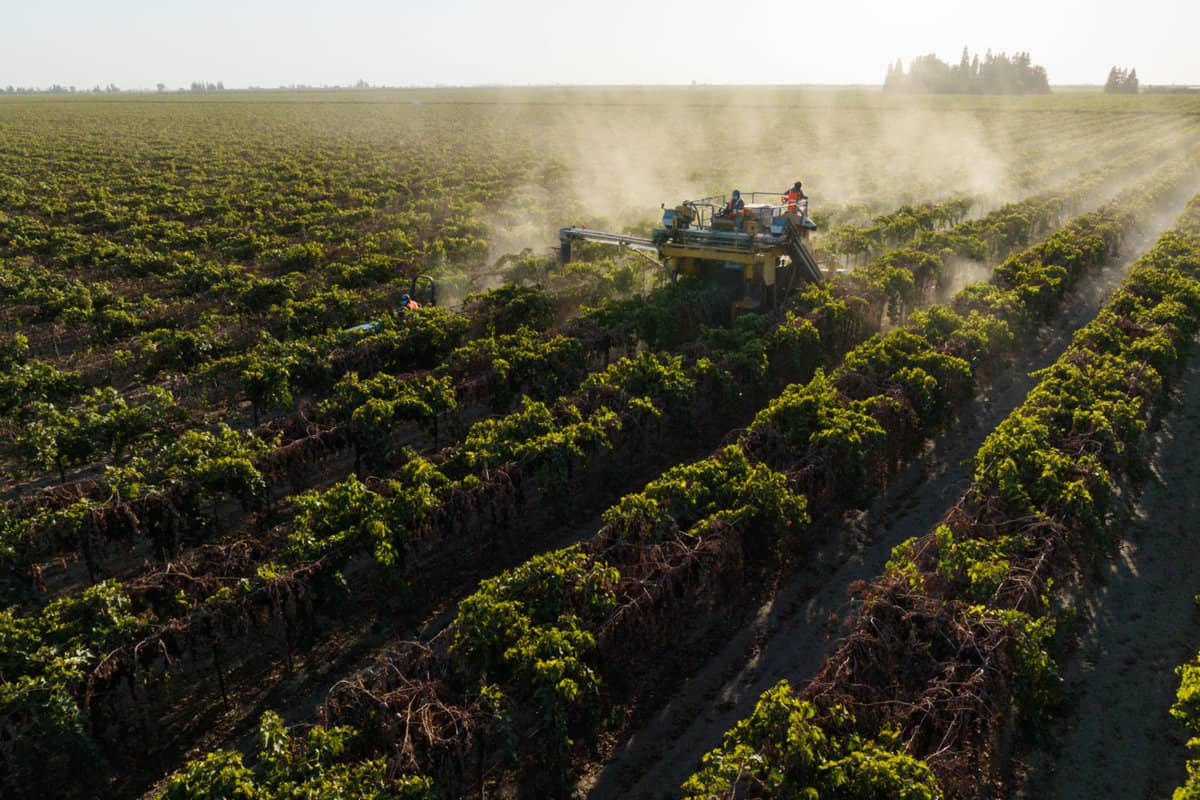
(137,45)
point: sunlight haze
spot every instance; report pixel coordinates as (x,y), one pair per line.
(465,42)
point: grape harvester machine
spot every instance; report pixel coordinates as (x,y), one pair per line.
(757,256)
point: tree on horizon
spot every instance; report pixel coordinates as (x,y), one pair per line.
(995,74)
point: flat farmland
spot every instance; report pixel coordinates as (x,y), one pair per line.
(575,529)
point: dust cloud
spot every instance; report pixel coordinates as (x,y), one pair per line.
(609,158)
(627,152)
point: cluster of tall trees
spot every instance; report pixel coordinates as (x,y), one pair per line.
(1121,81)
(994,74)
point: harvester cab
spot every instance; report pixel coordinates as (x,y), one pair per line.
(758,254)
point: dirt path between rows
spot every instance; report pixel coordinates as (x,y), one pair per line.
(794,630)
(1138,623)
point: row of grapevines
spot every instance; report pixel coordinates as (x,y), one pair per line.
(965,613)
(508,365)
(385,549)
(353,517)
(269,379)
(970,335)
(1187,711)
(893,229)
(851,430)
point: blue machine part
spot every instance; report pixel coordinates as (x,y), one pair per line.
(366,327)
(779,225)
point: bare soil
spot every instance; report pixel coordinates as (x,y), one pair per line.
(1139,621)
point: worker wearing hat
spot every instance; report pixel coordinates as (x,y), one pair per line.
(407,304)
(793,196)
(736,207)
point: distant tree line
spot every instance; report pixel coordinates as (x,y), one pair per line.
(58,88)
(995,74)
(198,87)
(55,89)
(1121,81)
(112,88)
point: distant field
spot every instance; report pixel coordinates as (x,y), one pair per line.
(575,488)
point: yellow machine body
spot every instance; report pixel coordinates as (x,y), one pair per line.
(758,254)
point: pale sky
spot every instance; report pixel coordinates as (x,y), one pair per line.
(136,44)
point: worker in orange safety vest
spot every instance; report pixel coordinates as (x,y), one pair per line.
(407,304)
(793,196)
(736,207)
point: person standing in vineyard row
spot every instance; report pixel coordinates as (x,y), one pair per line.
(793,196)
(407,304)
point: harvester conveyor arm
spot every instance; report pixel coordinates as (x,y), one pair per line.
(568,235)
